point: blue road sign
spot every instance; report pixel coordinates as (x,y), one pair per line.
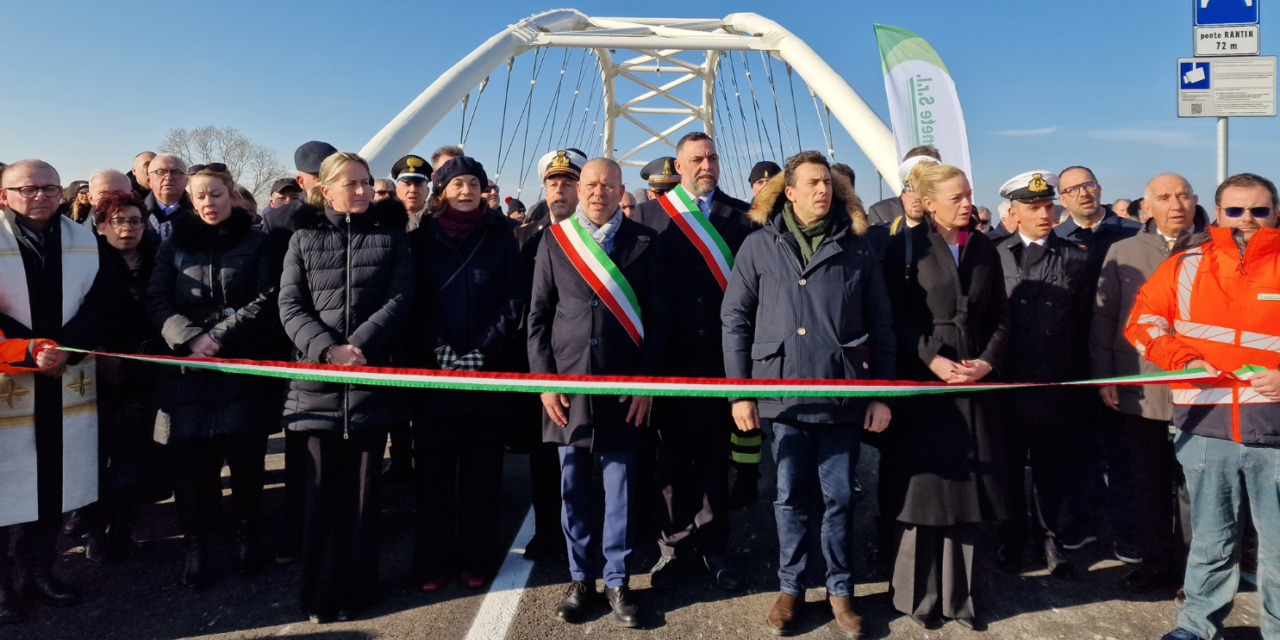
(1193,75)
(1222,12)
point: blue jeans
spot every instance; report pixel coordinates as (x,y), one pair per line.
(809,457)
(1220,473)
(618,471)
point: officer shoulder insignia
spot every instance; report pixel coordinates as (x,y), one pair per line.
(1037,184)
(561,160)
(1081,245)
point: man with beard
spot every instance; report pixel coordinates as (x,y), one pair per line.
(51,288)
(559,171)
(701,229)
(411,174)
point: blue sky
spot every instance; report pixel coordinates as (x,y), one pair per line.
(1043,85)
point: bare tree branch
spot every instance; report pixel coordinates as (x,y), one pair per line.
(252,165)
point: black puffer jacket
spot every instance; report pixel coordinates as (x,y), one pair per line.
(217,280)
(342,267)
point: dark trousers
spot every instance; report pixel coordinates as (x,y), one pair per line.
(544,475)
(459,487)
(295,493)
(1052,471)
(933,574)
(618,472)
(340,540)
(197,479)
(813,459)
(693,476)
(1153,468)
(36,543)
(402,446)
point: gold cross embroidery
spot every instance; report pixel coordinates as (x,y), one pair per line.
(13,393)
(81,383)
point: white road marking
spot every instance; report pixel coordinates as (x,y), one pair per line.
(500,605)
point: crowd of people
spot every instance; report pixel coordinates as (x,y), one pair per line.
(425,270)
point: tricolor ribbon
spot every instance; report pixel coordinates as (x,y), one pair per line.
(686,215)
(629,385)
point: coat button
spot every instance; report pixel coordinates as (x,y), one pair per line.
(803,282)
(1048,332)
(1048,304)
(594,342)
(1023,301)
(702,332)
(699,300)
(228,312)
(595,302)
(800,331)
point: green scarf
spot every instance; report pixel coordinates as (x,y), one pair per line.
(808,237)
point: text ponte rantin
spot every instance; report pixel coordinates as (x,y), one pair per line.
(1239,33)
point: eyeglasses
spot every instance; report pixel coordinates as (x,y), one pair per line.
(126,223)
(383,193)
(165,173)
(216,167)
(1071,191)
(1257,212)
(983,223)
(30,191)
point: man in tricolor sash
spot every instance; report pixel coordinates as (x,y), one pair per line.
(50,288)
(599,308)
(701,229)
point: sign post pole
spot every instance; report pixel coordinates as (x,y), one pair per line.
(1222,149)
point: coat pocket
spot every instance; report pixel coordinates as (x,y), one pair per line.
(766,360)
(857,359)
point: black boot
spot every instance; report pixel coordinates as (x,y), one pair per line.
(40,583)
(10,605)
(97,546)
(248,548)
(195,566)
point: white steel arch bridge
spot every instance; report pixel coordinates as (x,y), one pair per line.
(651,54)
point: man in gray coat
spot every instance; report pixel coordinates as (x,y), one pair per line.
(1146,410)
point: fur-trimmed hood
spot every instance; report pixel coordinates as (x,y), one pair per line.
(387,213)
(193,234)
(771,198)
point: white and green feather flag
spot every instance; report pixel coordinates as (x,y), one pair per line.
(923,105)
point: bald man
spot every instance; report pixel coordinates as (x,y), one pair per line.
(610,335)
(138,175)
(1144,411)
(51,287)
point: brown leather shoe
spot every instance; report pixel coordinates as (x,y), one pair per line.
(782,617)
(847,623)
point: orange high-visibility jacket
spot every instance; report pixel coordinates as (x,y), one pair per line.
(12,353)
(1212,303)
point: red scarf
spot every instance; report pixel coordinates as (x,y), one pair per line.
(457,224)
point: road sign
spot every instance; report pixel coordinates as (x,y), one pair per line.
(1224,12)
(1225,87)
(1239,40)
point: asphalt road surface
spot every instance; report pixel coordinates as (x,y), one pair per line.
(140,598)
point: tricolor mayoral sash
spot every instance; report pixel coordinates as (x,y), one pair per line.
(686,215)
(18,460)
(602,275)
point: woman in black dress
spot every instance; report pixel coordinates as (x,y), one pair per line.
(943,459)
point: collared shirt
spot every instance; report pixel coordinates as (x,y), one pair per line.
(1026,241)
(704,203)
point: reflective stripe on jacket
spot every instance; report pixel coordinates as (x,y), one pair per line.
(1213,303)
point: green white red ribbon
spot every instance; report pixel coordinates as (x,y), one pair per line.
(602,275)
(624,385)
(688,217)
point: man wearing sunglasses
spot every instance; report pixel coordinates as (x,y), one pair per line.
(1216,307)
(50,288)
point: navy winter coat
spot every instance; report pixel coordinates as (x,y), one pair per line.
(828,320)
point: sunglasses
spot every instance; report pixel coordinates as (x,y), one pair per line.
(1257,212)
(383,193)
(216,167)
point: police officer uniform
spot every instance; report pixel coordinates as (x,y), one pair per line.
(1050,302)
(412,168)
(661,176)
